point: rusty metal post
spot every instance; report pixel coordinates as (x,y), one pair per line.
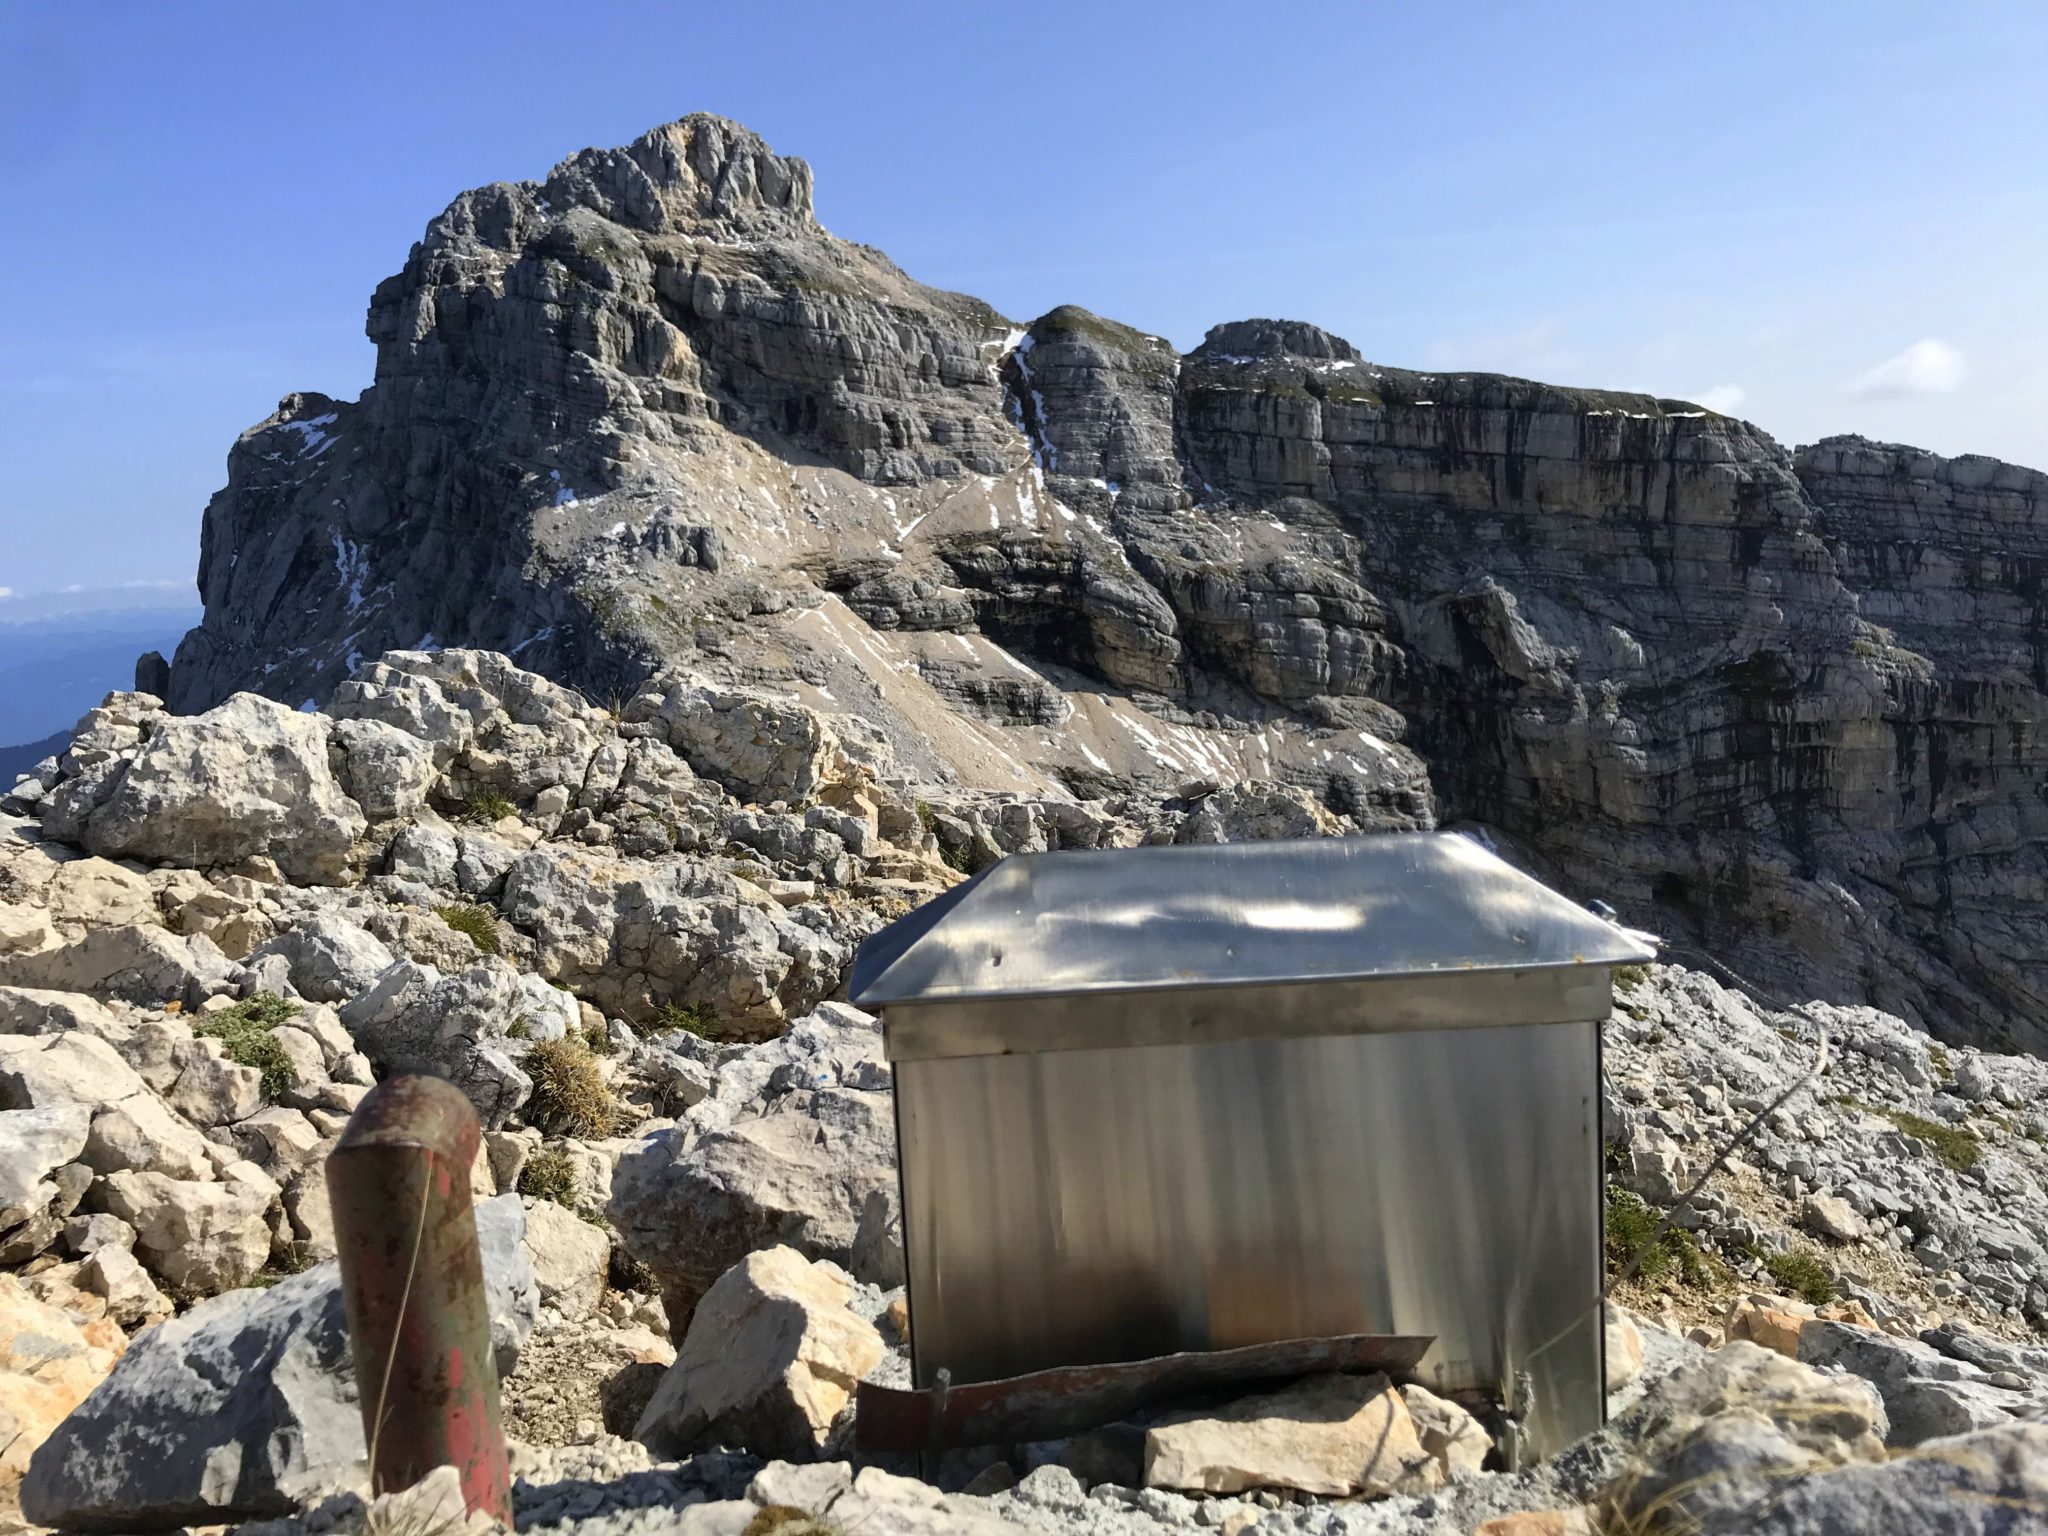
(413,1282)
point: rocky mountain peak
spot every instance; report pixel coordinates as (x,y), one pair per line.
(692,593)
(647,415)
(1275,339)
(699,170)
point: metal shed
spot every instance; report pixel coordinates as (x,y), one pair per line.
(1194,1098)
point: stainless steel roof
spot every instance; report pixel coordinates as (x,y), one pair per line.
(1232,914)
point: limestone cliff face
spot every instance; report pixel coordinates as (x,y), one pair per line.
(649,409)
(1949,557)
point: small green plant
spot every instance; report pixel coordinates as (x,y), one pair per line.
(1801,1275)
(960,857)
(693,1018)
(926,816)
(265,1008)
(475,924)
(598,1038)
(1629,977)
(1633,1239)
(244,1031)
(1958,1148)
(519,1029)
(550,1174)
(1695,1268)
(570,1096)
(485,807)
(1944,1068)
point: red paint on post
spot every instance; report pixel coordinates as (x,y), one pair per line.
(413,1284)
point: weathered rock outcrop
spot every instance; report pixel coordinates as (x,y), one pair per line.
(770,1361)
(249,777)
(789,1143)
(167,1125)
(241,1404)
(648,411)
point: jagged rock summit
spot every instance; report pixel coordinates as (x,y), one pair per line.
(648,414)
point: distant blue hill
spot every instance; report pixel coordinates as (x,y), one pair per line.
(15,761)
(61,653)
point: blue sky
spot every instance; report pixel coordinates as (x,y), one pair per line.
(1823,217)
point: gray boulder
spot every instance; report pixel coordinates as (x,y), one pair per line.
(42,1011)
(424,854)
(802,1176)
(1927,1395)
(1718,1438)
(201,1237)
(331,959)
(385,770)
(1991,1483)
(758,744)
(456,1027)
(34,1143)
(134,963)
(241,1406)
(248,777)
(630,936)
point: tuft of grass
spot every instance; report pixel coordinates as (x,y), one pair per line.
(698,1019)
(485,807)
(960,858)
(1632,1235)
(244,1030)
(1801,1275)
(598,1038)
(926,816)
(1629,977)
(1960,1149)
(519,1029)
(1944,1068)
(570,1096)
(550,1174)
(788,1520)
(278,1269)
(475,924)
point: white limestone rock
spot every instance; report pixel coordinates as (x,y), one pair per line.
(770,1362)
(249,776)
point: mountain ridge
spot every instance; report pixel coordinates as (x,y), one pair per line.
(646,412)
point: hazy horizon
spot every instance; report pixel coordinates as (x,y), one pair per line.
(1819,227)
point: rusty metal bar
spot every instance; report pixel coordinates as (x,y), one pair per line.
(413,1283)
(1045,1405)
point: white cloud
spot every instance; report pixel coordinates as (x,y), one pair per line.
(1927,367)
(1725,398)
(6,591)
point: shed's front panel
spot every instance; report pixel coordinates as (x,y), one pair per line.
(1079,1206)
